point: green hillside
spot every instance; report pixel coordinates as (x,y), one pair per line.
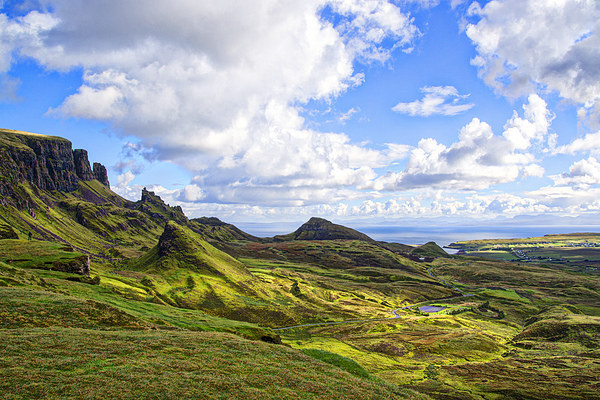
(102,297)
(321,229)
(430,249)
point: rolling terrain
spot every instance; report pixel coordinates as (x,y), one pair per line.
(102,297)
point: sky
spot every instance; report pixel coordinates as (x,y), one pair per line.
(453,111)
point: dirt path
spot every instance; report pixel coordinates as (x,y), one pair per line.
(394,311)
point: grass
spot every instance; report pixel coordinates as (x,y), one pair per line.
(36,253)
(577,251)
(181,312)
(508,294)
(77,363)
(341,362)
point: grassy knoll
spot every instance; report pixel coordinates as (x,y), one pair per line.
(41,254)
(400,350)
(35,298)
(79,363)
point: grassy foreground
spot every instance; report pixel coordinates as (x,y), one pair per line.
(63,338)
(78,363)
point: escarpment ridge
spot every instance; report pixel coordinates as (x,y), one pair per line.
(47,162)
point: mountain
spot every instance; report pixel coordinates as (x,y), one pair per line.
(99,293)
(214,229)
(321,229)
(50,191)
(47,162)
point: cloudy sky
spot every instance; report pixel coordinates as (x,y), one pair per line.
(264,110)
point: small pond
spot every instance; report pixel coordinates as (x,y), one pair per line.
(431,309)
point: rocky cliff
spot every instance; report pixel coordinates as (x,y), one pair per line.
(46,162)
(154,206)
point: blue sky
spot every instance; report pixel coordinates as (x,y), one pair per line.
(277,110)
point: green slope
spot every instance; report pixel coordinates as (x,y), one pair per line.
(321,229)
(430,249)
(66,339)
(93,364)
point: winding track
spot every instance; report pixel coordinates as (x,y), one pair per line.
(349,321)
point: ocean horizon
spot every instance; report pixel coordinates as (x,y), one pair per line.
(442,235)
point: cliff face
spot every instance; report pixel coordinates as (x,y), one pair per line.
(47,162)
(82,165)
(100,174)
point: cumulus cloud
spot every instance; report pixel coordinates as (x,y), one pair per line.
(191,193)
(479,159)
(520,132)
(589,143)
(217,87)
(517,52)
(582,173)
(441,100)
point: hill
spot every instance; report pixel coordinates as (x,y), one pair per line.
(321,229)
(213,229)
(429,249)
(105,297)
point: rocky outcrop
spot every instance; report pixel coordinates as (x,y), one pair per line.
(46,162)
(79,265)
(154,206)
(7,232)
(100,174)
(82,165)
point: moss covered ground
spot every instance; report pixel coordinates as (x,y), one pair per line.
(95,364)
(176,308)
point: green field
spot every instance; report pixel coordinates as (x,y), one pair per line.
(101,297)
(577,251)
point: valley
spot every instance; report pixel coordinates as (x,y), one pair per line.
(102,297)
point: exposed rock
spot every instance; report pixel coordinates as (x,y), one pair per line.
(154,206)
(171,242)
(44,161)
(82,165)
(7,232)
(100,174)
(79,265)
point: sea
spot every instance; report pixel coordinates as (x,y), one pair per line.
(442,235)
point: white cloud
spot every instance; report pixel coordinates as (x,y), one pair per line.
(425,3)
(456,3)
(520,132)
(582,173)
(191,193)
(554,45)
(589,143)
(368,23)
(123,187)
(479,159)
(22,34)
(125,178)
(443,100)
(217,86)
(347,115)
